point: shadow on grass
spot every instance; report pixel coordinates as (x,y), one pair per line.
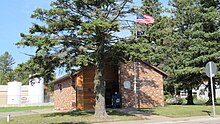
(148,111)
(208,112)
(85,113)
(117,113)
(72,113)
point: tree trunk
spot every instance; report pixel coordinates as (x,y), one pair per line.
(209,102)
(99,87)
(190,97)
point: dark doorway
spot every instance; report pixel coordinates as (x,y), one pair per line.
(111,87)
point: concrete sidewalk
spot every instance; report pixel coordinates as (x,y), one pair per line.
(201,120)
(22,113)
(157,119)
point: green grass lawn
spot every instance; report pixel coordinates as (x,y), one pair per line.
(83,117)
(28,108)
(177,111)
(76,117)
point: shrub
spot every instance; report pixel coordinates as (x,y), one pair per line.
(174,101)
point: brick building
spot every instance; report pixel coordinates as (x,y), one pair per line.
(76,91)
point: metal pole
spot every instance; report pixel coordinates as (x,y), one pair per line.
(8,118)
(212,90)
(135,76)
(135,82)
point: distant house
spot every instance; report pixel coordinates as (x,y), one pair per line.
(76,91)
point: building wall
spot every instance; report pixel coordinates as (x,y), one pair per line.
(79,93)
(24,94)
(110,74)
(4,94)
(88,88)
(150,92)
(64,98)
(149,86)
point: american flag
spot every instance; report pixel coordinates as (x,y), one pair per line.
(144,19)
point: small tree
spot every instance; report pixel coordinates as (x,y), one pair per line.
(6,71)
(24,71)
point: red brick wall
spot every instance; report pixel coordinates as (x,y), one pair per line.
(64,99)
(149,92)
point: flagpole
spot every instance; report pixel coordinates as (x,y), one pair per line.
(135,83)
(135,76)
(144,19)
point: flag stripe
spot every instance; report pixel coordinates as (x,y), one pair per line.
(144,19)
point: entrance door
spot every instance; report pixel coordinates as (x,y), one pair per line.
(110,88)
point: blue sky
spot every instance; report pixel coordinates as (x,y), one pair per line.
(15,18)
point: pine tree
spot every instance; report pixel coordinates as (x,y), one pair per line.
(209,33)
(30,69)
(160,43)
(6,71)
(197,34)
(78,33)
(146,39)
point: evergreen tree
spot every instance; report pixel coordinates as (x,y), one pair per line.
(6,71)
(30,69)
(146,39)
(209,33)
(77,33)
(157,38)
(197,34)
(182,43)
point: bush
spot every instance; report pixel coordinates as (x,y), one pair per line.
(174,101)
(167,96)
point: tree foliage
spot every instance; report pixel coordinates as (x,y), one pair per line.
(6,71)
(30,69)
(197,28)
(77,33)
(185,41)
(180,43)
(147,40)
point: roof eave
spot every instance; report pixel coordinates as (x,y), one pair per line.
(157,69)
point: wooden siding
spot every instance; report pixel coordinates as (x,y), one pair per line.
(85,81)
(80,93)
(111,72)
(88,88)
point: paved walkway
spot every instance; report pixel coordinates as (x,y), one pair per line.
(42,111)
(157,119)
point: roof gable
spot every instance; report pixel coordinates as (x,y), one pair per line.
(156,69)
